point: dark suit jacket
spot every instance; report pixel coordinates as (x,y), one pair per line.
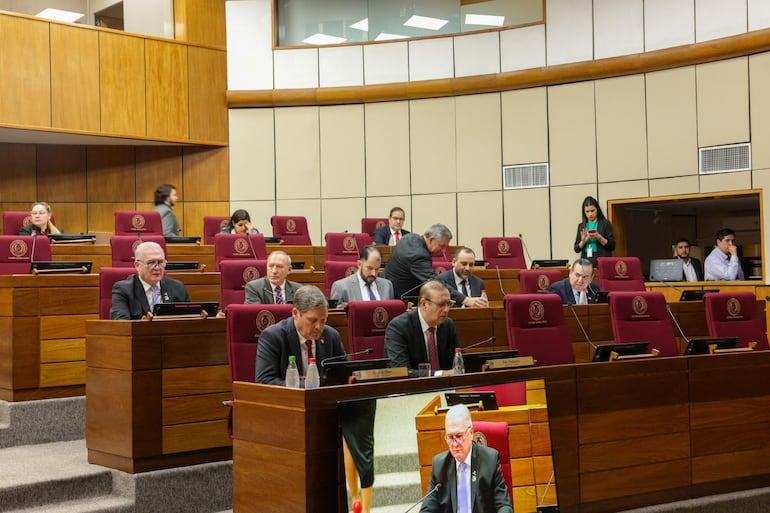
(280,341)
(489,493)
(381,235)
(604,227)
(130,302)
(476,284)
(405,343)
(259,291)
(698,268)
(564,289)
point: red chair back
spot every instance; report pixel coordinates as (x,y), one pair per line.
(367,321)
(123,247)
(441,266)
(236,245)
(537,280)
(371,224)
(138,222)
(642,317)
(213,225)
(537,328)
(496,436)
(507,394)
(235,273)
(506,252)
(345,246)
(16,252)
(14,220)
(334,271)
(108,276)
(620,273)
(292,229)
(735,314)
(245,323)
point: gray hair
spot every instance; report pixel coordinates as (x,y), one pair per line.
(458,414)
(309,297)
(438,231)
(434,285)
(278,252)
(140,249)
(582,262)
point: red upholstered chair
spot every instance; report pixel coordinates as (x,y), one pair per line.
(735,314)
(642,317)
(334,271)
(213,225)
(138,222)
(441,266)
(123,247)
(620,273)
(371,224)
(506,252)
(496,436)
(14,220)
(236,245)
(537,280)
(507,394)
(367,321)
(235,273)
(16,252)
(345,246)
(537,328)
(108,276)
(292,229)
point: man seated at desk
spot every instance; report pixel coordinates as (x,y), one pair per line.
(577,288)
(723,262)
(363,285)
(133,297)
(424,334)
(462,280)
(391,234)
(693,271)
(470,477)
(273,288)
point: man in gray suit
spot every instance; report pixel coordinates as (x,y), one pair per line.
(363,285)
(461,279)
(273,288)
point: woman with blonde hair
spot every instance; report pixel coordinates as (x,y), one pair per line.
(40,221)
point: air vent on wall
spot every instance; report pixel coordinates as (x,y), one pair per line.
(525,176)
(724,159)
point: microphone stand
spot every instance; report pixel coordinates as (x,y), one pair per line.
(433,490)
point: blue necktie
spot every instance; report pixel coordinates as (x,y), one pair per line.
(155,290)
(372,297)
(462,489)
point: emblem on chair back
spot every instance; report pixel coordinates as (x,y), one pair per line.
(349,244)
(536,312)
(503,248)
(18,248)
(26,222)
(480,438)
(733,308)
(240,246)
(380,318)
(138,222)
(639,306)
(250,273)
(379,224)
(543,282)
(291,226)
(621,269)
(265,319)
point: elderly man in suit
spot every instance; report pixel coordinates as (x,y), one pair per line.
(273,288)
(133,297)
(468,475)
(578,281)
(391,235)
(462,280)
(425,334)
(364,285)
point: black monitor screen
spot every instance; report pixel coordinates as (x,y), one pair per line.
(474,361)
(695,295)
(339,372)
(701,345)
(603,352)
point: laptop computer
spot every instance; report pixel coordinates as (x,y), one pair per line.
(602,353)
(487,399)
(666,269)
(701,345)
(182,308)
(60,267)
(695,295)
(474,361)
(339,372)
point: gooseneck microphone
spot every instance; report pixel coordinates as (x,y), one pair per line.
(406,295)
(524,245)
(368,350)
(499,279)
(251,245)
(490,339)
(676,323)
(34,234)
(432,490)
(580,324)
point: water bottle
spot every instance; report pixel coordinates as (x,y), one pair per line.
(312,380)
(484,295)
(458,367)
(292,373)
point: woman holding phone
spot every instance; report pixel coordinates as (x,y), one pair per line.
(595,237)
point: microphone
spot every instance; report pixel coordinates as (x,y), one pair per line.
(432,490)
(416,287)
(368,350)
(676,323)
(580,324)
(34,234)
(251,245)
(499,279)
(524,245)
(490,339)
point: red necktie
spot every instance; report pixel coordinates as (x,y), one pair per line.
(309,345)
(397,236)
(433,350)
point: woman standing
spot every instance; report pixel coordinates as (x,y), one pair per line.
(595,237)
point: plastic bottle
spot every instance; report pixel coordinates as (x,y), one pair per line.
(484,295)
(312,380)
(458,366)
(292,373)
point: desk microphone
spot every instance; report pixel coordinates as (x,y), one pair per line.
(368,350)
(433,490)
(32,252)
(524,244)
(676,323)
(490,339)
(251,245)
(580,324)
(405,295)
(499,279)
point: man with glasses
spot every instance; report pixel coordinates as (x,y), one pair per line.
(577,288)
(391,235)
(723,262)
(469,474)
(134,297)
(425,334)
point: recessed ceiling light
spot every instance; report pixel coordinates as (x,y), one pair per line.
(384,36)
(425,22)
(361,25)
(323,39)
(484,19)
(59,15)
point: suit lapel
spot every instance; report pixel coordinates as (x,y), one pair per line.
(269,292)
(141,294)
(355,289)
(417,329)
(294,348)
(474,472)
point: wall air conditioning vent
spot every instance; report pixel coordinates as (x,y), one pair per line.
(525,176)
(724,159)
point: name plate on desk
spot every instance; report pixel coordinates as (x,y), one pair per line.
(509,363)
(360,376)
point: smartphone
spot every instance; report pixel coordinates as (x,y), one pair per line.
(591,232)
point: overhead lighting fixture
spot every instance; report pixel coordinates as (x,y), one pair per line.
(484,19)
(323,39)
(384,36)
(425,22)
(361,25)
(59,15)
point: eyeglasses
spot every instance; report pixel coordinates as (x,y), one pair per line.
(457,439)
(445,304)
(579,276)
(154,264)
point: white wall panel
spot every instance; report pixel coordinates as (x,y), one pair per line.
(668,23)
(249,48)
(477,54)
(339,215)
(618,28)
(252,154)
(429,209)
(522,48)
(471,226)
(569,31)
(340,66)
(297,153)
(296,68)
(759,14)
(387,62)
(431,58)
(719,18)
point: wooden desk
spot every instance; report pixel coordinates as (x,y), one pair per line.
(155,392)
(673,291)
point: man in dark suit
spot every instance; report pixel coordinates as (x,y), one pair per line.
(425,334)
(462,280)
(579,280)
(469,475)
(693,270)
(304,335)
(390,235)
(273,288)
(133,297)
(363,285)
